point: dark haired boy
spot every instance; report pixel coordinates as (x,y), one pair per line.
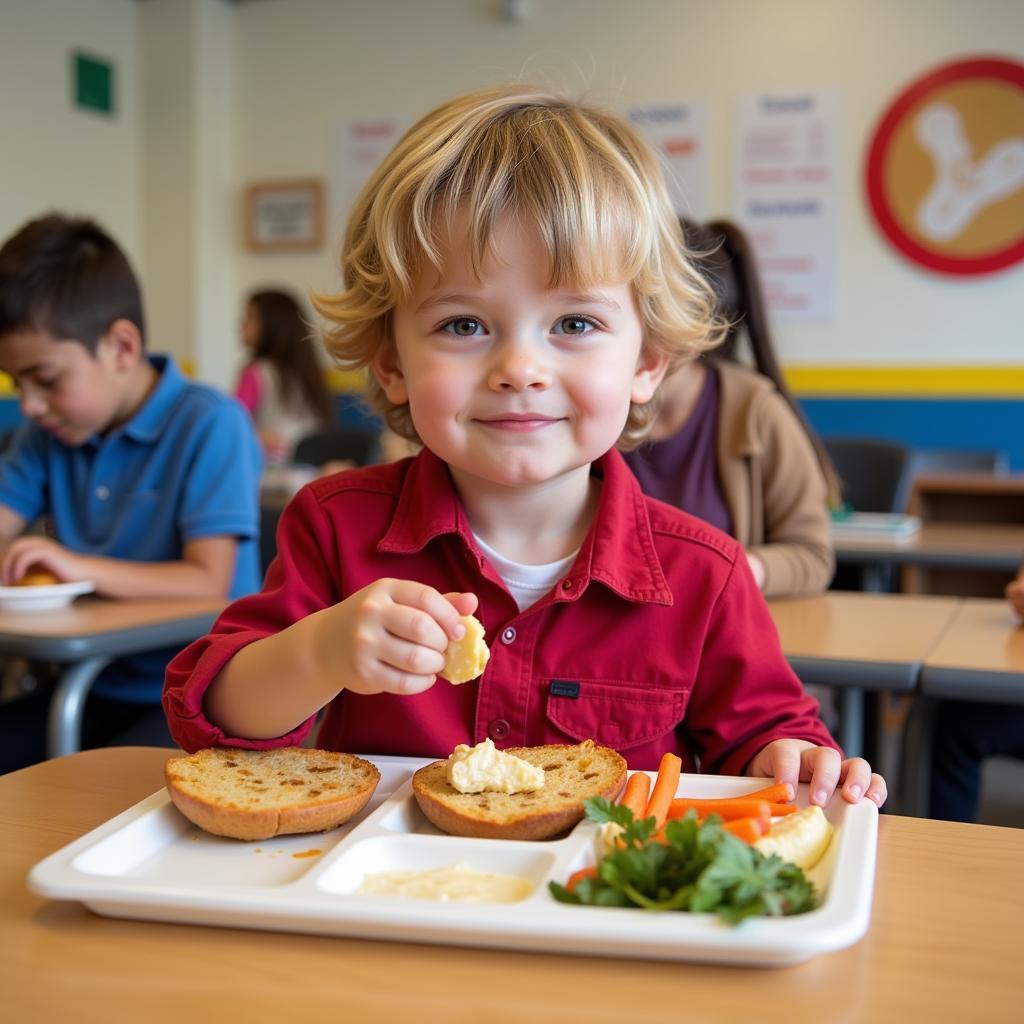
(150,481)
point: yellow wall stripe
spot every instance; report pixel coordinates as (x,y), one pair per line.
(906,381)
(812,381)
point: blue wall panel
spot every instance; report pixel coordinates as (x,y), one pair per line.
(961,424)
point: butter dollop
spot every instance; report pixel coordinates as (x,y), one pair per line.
(485,769)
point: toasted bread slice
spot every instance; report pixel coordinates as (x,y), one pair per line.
(256,794)
(572,774)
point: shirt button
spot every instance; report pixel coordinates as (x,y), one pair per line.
(567,584)
(499,729)
(102,493)
(508,634)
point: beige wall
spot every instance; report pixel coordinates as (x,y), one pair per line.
(215,95)
(53,155)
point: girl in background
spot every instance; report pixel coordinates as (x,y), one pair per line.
(282,384)
(731,446)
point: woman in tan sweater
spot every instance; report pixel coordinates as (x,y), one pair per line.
(731,446)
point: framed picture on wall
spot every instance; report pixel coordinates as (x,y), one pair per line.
(284,216)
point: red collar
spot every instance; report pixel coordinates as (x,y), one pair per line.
(618,550)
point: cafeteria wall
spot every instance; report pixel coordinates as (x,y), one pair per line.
(216,95)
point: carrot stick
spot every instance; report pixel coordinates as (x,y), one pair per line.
(729,810)
(665,787)
(778,793)
(747,829)
(781,810)
(636,794)
(577,876)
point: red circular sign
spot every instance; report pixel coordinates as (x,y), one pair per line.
(945,168)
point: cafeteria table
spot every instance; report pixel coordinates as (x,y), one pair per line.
(980,657)
(942,945)
(90,633)
(854,642)
(942,545)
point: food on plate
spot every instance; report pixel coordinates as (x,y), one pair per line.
(256,794)
(453,883)
(466,659)
(36,577)
(486,769)
(801,838)
(690,865)
(572,774)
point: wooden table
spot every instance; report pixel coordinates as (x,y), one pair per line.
(980,656)
(942,946)
(997,547)
(856,642)
(89,634)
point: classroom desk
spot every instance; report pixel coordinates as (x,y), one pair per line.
(942,945)
(89,634)
(854,642)
(980,657)
(997,547)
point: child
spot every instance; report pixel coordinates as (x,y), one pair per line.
(731,446)
(151,482)
(282,385)
(514,278)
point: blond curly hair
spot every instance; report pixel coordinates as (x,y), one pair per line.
(582,176)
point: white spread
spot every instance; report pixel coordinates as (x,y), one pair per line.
(455,883)
(485,769)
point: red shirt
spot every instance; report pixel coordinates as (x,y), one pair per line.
(657,639)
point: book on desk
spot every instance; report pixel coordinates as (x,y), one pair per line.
(874,525)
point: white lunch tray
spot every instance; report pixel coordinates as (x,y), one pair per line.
(151,863)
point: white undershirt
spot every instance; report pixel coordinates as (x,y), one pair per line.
(526,583)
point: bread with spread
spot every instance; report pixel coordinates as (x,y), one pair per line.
(571,774)
(257,794)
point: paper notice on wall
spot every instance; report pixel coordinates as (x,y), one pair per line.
(359,146)
(787,197)
(678,131)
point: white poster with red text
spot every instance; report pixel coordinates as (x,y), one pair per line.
(786,197)
(678,131)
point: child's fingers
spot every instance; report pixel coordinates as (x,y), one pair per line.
(786,763)
(463,603)
(856,777)
(822,766)
(423,615)
(877,790)
(409,658)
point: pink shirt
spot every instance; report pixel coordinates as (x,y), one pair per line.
(657,639)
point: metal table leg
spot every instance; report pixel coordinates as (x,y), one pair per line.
(64,728)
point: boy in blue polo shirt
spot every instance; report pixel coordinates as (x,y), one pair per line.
(151,482)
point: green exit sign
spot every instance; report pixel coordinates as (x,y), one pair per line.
(93,83)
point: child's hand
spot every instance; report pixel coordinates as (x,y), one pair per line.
(795,761)
(393,635)
(1015,594)
(42,552)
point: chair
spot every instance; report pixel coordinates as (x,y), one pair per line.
(359,446)
(871,472)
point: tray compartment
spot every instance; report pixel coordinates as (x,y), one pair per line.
(421,853)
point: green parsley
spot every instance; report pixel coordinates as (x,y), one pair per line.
(699,867)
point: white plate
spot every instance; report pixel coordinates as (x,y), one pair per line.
(40,599)
(150,863)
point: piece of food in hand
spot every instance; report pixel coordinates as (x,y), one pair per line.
(486,769)
(572,774)
(799,838)
(466,659)
(256,794)
(37,577)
